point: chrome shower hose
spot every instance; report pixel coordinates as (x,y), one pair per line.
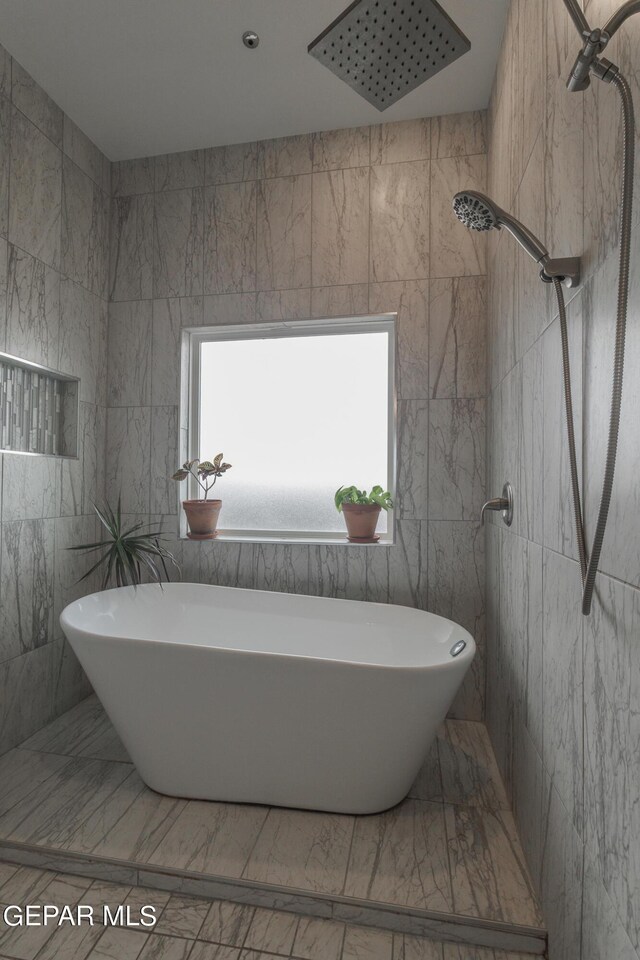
(589,561)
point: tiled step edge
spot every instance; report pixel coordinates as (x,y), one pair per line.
(413,921)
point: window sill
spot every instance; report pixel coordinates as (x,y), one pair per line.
(289,540)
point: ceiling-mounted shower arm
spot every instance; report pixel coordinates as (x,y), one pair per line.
(612,25)
(614,22)
(589,60)
(578,17)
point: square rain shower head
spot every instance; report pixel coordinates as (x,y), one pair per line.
(386,48)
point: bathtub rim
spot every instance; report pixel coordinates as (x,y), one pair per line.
(459,632)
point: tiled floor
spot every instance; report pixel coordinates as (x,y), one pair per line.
(449,848)
(193,929)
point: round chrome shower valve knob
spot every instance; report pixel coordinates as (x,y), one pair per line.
(250,39)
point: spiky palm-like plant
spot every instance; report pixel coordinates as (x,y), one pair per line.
(127,552)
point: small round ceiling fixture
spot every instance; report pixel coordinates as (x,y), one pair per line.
(250,39)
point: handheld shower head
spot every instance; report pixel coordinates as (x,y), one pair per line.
(477,212)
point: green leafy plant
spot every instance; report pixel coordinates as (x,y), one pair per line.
(378,496)
(202,471)
(128,552)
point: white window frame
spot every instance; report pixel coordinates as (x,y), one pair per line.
(192,340)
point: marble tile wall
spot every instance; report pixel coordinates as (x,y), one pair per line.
(54,271)
(341,222)
(563,691)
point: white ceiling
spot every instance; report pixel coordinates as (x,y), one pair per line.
(143,77)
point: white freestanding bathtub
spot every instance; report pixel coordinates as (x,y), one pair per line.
(248,696)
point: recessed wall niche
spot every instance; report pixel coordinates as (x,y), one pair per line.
(38,409)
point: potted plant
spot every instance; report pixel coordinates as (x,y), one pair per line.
(202,515)
(361,511)
(128,552)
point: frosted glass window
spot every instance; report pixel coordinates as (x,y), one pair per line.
(296,415)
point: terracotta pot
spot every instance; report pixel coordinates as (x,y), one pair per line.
(202,517)
(361,520)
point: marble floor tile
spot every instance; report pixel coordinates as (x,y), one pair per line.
(428,783)
(298,848)
(142,826)
(183,917)
(401,857)
(166,948)
(22,771)
(52,813)
(230,932)
(84,731)
(213,951)
(64,889)
(363,943)
(103,893)
(271,931)
(469,770)
(214,838)
(25,884)
(406,947)
(456,951)
(71,943)
(455,815)
(115,944)
(93,831)
(227,923)
(7,870)
(22,943)
(318,939)
(139,896)
(488,874)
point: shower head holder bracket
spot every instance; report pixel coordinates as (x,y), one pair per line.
(565,269)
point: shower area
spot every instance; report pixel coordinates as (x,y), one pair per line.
(563,689)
